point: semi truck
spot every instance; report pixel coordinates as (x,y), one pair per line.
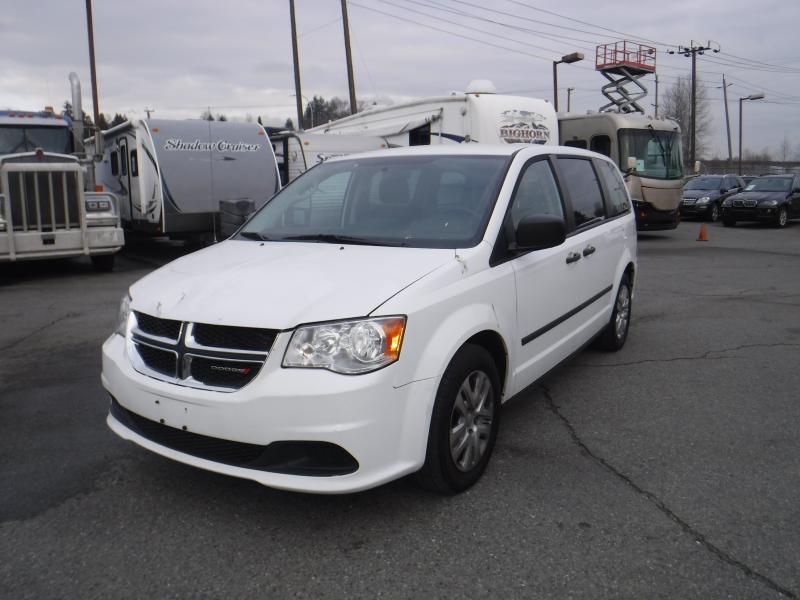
(49,207)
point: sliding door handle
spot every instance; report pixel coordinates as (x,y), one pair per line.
(573,257)
(588,250)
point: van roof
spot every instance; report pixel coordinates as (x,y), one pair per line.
(470,150)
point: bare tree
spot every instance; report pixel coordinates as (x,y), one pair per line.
(677,104)
(785,149)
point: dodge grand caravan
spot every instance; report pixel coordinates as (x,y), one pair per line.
(370,320)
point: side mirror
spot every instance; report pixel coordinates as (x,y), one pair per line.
(537,232)
(631,163)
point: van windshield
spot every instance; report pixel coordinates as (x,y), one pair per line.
(17,138)
(416,201)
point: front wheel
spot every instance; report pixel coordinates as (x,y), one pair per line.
(616,332)
(783,217)
(713,212)
(464,423)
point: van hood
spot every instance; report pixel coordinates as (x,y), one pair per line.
(279,285)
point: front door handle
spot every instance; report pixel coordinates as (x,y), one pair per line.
(573,257)
(588,250)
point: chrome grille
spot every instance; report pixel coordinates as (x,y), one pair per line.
(44,200)
(216,357)
(688,201)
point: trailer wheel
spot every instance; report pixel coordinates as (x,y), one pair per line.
(103,262)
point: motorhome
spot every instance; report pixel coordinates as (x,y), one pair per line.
(45,210)
(298,151)
(177,178)
(477,115)
(646,150)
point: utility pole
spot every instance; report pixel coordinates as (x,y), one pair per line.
(349,57)
(296,59)
(569,98)
(693,51)
(90,31)
(656,104)
(727,120)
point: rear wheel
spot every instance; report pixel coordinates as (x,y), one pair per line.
(783,217)
(103,262)
(616,332)
(464,423)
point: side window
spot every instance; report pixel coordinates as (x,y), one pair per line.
(134,163)
(576,144)
(617,195)
(601,144)
(584,189)
(536,193)
(114,163)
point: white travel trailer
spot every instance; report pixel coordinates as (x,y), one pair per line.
(298,151)
(477,115)
(173,177)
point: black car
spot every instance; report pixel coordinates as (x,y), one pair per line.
(703,195)
(772,198)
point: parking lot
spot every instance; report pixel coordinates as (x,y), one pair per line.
(668,470)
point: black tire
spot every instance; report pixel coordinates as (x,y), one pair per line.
(454,462)
(616,331)
(713,213)
(728,221)
(783,217)
(103,262)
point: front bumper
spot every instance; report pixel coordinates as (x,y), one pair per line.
(382,426)
(60,244)
(694,210)
(751,214)
(651,219)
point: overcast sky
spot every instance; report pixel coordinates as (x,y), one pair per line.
(179,57)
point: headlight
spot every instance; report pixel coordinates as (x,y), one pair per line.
(351,347)
(704,200)
(123,316)
(768,203)
(98,205)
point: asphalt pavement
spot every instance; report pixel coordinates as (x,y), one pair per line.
(670,469)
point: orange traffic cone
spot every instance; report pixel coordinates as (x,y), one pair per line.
(703,237)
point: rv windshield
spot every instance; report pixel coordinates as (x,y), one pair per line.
(657,153)
(420,202)
(17,138)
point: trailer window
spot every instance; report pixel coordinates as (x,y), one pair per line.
(134,163)
(114,163)
(576,144)
(124,161)
(601,144)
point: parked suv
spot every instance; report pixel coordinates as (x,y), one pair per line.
(369,321)
(703,195)
(771,198)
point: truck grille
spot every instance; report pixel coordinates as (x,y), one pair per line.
(44,200)
(217,357)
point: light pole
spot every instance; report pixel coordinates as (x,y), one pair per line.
(758,96)
(566,59)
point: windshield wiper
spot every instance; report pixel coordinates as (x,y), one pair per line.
(253,235)
(332,238)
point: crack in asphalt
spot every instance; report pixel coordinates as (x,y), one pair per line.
(18,341)
(699,537)
(705,356)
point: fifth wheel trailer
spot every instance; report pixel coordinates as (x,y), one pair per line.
(182,178)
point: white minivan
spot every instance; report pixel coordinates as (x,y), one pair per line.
(370,320)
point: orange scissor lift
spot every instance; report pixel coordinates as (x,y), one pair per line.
(624,64)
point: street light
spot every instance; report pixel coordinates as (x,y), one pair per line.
(758,96)
(566,59)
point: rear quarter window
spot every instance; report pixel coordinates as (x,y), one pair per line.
(585,194)
(617,202)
